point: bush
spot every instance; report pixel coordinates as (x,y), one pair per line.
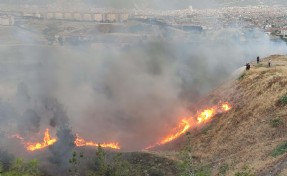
(276,122)
(280,149)
(5,159)
(20,168)
(187,166)
(1,168)
(156,172)
(117,166)
(246,172)
(283,100)
(223,169)
(203,171)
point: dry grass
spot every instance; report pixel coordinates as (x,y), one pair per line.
(244,136)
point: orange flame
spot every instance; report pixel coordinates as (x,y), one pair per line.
(185,124)
(79,142)
(182,127)
(46,142)
(226,107)
(205,115)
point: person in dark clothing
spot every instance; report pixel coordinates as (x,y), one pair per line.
(247,66)
(269,63)
(258,59)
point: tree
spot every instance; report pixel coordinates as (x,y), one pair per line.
(75,162)
(186,166)
(101,162)
(116,166)
(1,168)
(119,167)
(21,168)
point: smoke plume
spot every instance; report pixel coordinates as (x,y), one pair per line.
(132,94)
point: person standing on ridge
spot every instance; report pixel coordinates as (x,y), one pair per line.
(269,63)
(247,66)
(258,59)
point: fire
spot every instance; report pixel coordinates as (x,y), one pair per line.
(185,124)
(79,142)
(226,107)
(46,142)
(182,127)
(205,115)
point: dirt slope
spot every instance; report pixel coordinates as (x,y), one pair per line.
(246,136)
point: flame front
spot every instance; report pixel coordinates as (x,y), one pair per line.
(186,123)
(79,142)
(205,115)
(46,142)
(183,126)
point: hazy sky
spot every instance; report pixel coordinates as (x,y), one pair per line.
(176,4)
(156,4)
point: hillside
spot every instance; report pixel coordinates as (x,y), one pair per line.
(246,136)
(242,142)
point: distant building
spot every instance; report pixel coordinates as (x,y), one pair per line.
(59,16)
(68,16)
(123,17)
(6,20)
(98,17)
(50,15)
(111,17)
(78,16)
(87,17)
(284,33)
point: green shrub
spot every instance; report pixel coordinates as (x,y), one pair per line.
(75,163)
(245,172)
(223,169)
(1,168)
(156,172)
(116,166)
(280,149)
(283,100)
(203,171)
(276,122)
(20,167)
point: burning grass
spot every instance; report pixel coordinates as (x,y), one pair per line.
(48,140)
(202,117)
(80,142)
(247,133)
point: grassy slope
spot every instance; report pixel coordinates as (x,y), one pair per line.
(244,136)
